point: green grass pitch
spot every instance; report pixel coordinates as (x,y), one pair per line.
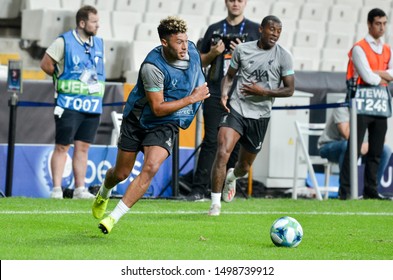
(45,229)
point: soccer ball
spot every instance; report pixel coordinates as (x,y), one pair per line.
(286,232)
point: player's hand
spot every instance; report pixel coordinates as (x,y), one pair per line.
(200,93)
(224,101)
(252,89)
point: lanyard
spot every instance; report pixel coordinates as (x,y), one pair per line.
(87,47)
(241,27)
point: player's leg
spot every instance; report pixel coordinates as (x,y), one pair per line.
(58,161)
(124,163)
(154,157)
(227,139)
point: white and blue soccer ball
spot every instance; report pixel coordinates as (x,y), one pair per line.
(286,232)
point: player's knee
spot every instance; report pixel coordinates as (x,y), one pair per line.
(151,168)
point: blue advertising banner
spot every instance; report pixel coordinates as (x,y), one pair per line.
(33,178)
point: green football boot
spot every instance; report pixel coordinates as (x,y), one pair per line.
(106,225)
(99,206)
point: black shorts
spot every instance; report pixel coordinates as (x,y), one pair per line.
(133,137)
(74,125)
(252,131)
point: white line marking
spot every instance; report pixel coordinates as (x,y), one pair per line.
(72,212)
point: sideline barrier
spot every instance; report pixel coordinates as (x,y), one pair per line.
(32,176)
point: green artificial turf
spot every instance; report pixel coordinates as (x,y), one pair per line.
(45,229)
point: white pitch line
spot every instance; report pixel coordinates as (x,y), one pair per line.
(72,212)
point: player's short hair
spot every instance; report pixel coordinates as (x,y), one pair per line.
(171,25)
(266,20)
(375,13)
(83,13)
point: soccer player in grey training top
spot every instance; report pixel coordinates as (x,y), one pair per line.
(261,66)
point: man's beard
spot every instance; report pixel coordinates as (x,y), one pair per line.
(89,33)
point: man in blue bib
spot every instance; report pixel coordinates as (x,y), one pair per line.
(169,91)
(75,60)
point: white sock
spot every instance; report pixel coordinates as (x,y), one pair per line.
(216,198)
(57,189)
(104,192)
(119,211)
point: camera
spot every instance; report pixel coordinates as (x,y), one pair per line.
(227,38)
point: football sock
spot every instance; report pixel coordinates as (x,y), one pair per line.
(104,192)
(216,198)
(119,210)
(57,189)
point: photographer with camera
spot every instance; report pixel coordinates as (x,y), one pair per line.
(216,49)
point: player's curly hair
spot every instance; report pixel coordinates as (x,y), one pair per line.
(171,25)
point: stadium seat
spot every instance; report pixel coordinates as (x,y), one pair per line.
(194,21)
(34,23)
(333,65)
(146,32)
(332,54)
(308,39)
(195,7)
(101,5)
(214,18)
(124,24)
(169,7)
(315,11)
(286,39)
(342,27)
(339,41)
(194,33)
(105,30)
(219,8)
(334,60)
(325,2)
(343,13)
(382,4)
(138,6)
(389,39)
(154,18)
(42,4)
(287,34)
(256,10)
(306,58)
(302,156)
(353,3)
(305,64)
(10,9)
(72,5)
(312,25)
(361,31)
(136,53)
(115,51)
(285,10)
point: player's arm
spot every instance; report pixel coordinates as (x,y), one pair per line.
(387,75)
(286,91)
(48,64)
(161,108)
(343,129)
(226,85)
